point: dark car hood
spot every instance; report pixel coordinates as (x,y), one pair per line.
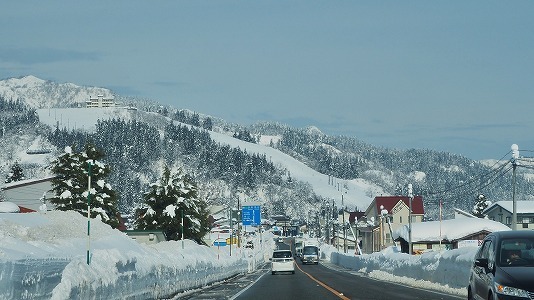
(520,277)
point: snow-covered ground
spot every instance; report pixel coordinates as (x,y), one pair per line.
(356,192)
(44,256)
(446,271)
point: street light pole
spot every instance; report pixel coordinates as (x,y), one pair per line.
(410,197)
(515,156)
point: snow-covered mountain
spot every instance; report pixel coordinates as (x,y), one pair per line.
(39,93)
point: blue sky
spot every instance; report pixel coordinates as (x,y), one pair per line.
(452,76)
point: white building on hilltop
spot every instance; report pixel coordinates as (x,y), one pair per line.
(100,101)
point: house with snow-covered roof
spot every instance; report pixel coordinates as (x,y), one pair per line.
(446,234)
(501,211)
(30,193)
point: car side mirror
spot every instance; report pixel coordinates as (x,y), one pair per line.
(481,262)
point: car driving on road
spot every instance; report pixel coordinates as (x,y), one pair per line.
(282,261)
(503,267)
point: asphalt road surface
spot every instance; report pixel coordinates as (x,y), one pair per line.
(313,282)
(320,282)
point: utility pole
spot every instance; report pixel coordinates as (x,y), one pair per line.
(231,228)
(89,215)
(333,224)
(182,211)
(238,223)
(344,228)
(410,197)
(515,156)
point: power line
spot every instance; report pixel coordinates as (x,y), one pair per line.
(489,178)
(493,172)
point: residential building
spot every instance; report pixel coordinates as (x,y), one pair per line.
(501,211)
(30,193)
(446,234)
(386,214)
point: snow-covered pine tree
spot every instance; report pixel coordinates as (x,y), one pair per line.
(480,204)
(16,173)
(71,183)
(165,201)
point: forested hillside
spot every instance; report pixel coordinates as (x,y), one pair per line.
(454,180)
(137,149)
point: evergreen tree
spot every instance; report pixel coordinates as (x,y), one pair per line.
(16,173)
(480,204)
(72,180)
(166,201)
(207,124)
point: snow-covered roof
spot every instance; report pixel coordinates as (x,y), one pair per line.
(25,182)
(523,207)
(9,207)
(450,230)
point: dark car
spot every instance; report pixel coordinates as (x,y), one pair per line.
(504,267)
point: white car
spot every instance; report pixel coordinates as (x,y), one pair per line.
(282,261)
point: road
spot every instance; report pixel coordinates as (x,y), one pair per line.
(315,282)
(320,282)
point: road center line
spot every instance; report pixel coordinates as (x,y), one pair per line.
(333,291)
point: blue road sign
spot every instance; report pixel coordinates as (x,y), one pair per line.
(251,215)
(219,243)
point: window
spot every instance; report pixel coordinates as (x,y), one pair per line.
(500,218)
(483,252)
(508,220)
(525,225)
(525,220)
(282,254)
(400,219)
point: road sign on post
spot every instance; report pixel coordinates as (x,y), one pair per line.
(251,215)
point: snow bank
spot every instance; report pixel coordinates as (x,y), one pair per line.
(446,271)
(43,256)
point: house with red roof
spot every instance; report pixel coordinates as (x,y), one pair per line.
(385,215)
